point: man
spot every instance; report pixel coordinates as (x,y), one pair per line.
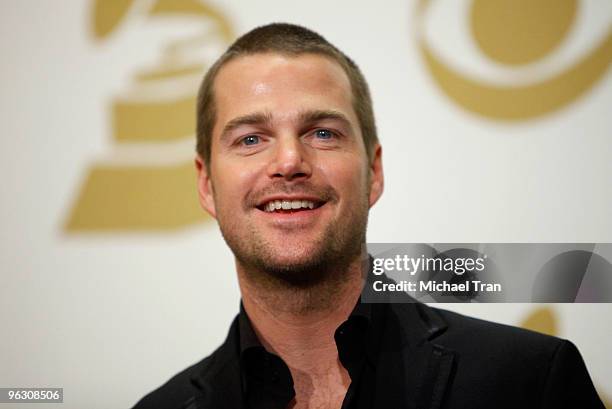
(289,164)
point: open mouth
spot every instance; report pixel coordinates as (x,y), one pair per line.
(290,206)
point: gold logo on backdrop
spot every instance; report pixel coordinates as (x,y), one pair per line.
(513,33)
(149,180)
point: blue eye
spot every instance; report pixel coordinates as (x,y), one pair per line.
(324,134)
(251,140)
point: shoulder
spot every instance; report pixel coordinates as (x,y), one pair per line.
(179,391)
(493,342)
(509,361)
(474,330)
(480,346)
(192,385)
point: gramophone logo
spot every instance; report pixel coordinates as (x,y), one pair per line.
(516,35)
(148,180)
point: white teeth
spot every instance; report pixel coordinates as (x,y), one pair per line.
(288,205)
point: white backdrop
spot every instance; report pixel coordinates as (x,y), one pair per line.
(111,315)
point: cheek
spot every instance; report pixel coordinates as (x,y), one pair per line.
(349,178)
(232,182)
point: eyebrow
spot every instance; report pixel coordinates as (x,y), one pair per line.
(309,117)
(266,118)
(257,118)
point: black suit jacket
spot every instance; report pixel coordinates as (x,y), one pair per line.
(444,360)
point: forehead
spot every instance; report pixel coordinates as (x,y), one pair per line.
(282,85)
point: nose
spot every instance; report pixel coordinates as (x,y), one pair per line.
(290,159)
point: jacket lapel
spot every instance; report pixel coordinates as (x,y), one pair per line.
(419,370)
(432,376)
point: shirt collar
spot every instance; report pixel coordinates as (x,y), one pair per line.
(365,318)
(248,338)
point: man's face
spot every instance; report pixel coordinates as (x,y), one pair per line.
(286,135)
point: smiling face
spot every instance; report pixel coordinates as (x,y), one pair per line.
(290,182)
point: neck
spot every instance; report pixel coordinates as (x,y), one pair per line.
(298,324)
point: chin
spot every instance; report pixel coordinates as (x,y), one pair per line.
(295,260)
(296,268)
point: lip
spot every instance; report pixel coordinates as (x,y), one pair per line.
(267,199)
(293,219)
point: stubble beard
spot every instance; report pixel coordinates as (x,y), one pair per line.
(309,280)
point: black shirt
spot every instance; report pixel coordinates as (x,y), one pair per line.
(407,356)
(267,381)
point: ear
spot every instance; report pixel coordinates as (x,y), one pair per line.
(205,188)
(377,179)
